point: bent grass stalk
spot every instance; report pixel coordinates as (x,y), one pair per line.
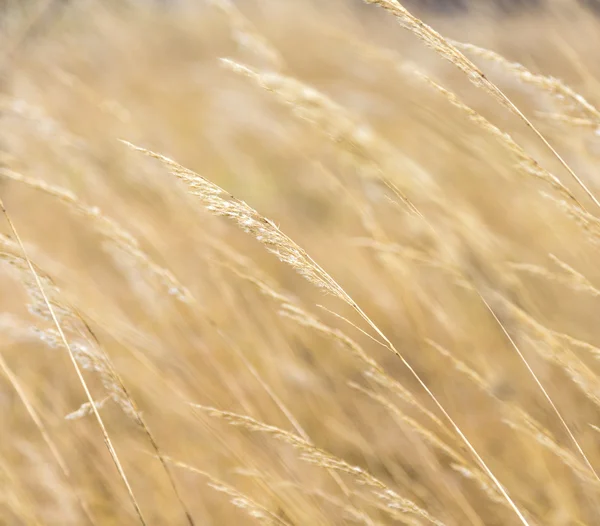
(290,308)
(569,278)
(63,338)
(348,509)
(448,51)
(368,151)
(324,459)
(90,353)
(221,203)
(541,386)
(325,114)
(530,166)
(552,85)
(108,228)
(432,440)
(519,419)
(239,499)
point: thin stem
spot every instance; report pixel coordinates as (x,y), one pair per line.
(107,440)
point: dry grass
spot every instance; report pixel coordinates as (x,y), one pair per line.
(416,345)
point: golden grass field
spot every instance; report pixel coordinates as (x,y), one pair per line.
(311,265)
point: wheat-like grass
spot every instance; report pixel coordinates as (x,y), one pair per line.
(442,46)
(292,309)
(365,147)
(577,370)
(569,278)
(316,108)
(220,203)
(373,371)
(340,176)
(559,118)
(582,371)
(519,419)
(574,368)
(369,153)
(550,345)
(270,392)
(240,500)
(448,51)
(65,342)
(261,512)
(528,165)
(482,483)
(557,88)
(84,346)
(427,436)
(86,350)
(119,393)
(432,440)
(347,510)
(111,231)
(355,140)
(524,162)
(436,443)
(322,458)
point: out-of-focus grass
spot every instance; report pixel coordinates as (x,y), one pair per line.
(420,214)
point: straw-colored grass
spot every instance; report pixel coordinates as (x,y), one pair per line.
(418,343)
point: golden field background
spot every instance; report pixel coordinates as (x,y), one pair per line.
(465,254)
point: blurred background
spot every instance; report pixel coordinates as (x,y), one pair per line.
(441,213)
